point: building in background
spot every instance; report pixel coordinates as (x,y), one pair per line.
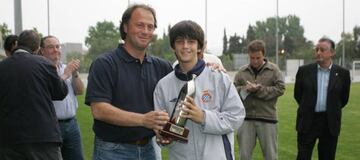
(70,48)
(240,60)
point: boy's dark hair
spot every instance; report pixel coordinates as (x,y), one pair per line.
(128,13)
(187,29)
(9,42)
(256,46)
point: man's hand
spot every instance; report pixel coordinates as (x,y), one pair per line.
(71,67)
(216,67)
(155,119)
(252,87)
(162,140)
(213,66)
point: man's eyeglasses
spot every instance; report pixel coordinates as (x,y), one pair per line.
(53,47)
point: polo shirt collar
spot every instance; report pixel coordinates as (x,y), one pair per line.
(124,54)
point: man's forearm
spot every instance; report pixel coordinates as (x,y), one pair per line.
(77,84)
(106,112)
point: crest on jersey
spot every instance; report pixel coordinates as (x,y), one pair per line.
(206,96)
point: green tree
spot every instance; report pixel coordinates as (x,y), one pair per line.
(225,42)
(356,33)
(250,34)
(5,31)
(294,34)
(101,38)
(160,47)
(227,61)
(266,31)
(305,52)
(291,35)
(350,49)
(236,44)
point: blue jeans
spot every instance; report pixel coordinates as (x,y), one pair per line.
(71,148)
(115,151)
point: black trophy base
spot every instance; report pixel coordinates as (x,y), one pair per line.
(175,132)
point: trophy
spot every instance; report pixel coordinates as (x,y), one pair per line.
(175,128)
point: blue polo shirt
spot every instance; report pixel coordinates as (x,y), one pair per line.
(121,80)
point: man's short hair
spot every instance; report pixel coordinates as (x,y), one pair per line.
(42,44)
(128,13)
(9,42)
(256,46)
(328,40)
(187,29)
(29,39)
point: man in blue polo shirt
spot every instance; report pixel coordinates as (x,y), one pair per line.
(120,91)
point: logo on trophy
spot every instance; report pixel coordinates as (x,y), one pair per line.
(175,128)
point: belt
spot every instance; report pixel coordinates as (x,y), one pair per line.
(140,142)
(65,120)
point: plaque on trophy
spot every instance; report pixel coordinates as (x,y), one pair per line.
(175,128)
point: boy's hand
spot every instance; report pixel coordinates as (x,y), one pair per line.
(194,112)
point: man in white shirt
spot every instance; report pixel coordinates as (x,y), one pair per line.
(71,148)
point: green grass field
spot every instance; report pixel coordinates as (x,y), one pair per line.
(347,149)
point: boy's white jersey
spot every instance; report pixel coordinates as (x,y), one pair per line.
(223,112)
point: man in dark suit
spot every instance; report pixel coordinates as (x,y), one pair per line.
(29,128)
(321,91)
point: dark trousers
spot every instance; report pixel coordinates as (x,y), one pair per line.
(319,131)
(32,151)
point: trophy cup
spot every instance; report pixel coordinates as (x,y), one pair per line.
(175,128)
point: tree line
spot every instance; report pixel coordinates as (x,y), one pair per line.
(292,42)
(105,36)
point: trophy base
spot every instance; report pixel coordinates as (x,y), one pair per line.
(175,132)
